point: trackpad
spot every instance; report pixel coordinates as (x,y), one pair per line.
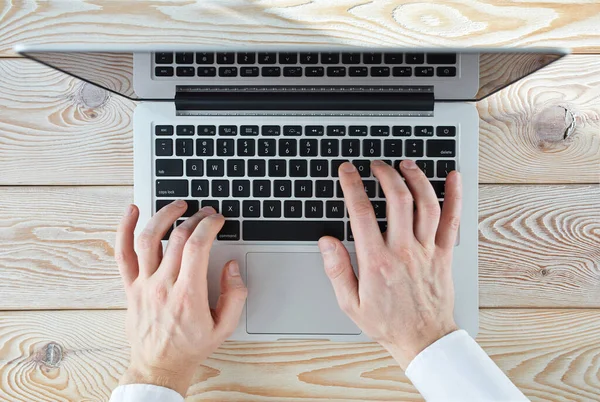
(289,293)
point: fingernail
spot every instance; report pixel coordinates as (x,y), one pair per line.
(233,269)
(348,167)
(409,164)
(129,210)
(326,246)
(180,203)
(208,210)
(377,163)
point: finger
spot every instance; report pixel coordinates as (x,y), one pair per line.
(125,255)
(231,301)
(339,270)
(171,263)
(427,215)
(149,247)
(450,219)
(362,217)
(194,263)
(399,202)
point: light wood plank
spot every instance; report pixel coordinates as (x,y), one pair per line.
(480,23)
(538,246)
(79,355)
(57,130)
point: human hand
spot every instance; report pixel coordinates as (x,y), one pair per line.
(404,297)
(170,326)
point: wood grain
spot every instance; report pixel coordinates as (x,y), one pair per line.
(452,23)
(538,246)
(79,355)
(78,134)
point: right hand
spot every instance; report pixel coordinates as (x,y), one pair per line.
(404,298)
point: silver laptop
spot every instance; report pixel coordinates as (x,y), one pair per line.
(258,133)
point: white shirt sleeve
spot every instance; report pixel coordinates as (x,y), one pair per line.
(455,368)
(144,393)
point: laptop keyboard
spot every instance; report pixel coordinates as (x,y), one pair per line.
(304,64)
(279,182)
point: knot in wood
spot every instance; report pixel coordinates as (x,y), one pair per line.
(91,96)
(554,124)
(51,355)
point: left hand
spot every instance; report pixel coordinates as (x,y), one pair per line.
(170,325)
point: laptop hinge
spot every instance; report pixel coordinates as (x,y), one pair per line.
(305,100)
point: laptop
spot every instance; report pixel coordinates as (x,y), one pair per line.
(259,133)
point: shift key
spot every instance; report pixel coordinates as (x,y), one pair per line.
(172,188)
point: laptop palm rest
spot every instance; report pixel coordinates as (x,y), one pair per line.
(289,293)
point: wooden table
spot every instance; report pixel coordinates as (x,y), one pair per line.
(66,168)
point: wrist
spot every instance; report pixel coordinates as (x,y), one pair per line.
(141,374)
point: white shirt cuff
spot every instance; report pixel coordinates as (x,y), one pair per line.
(144,393)
(455,368)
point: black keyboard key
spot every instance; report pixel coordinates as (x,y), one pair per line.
(358,71)
(401,131)
(380,131)
(351,58)
(249,130)
(439,187)
(205,58)
(424,131)
(204,147)
(266,147)
(371,148)
(272,209)
(336,71)
(392,58)
(426,167)
(163,58)
(277,168)
(336,131)
(185,71)
(169,167)
(292,130)
(358,131)
(235,168)
(229,231)
(207,130)
(351,147)
(200,188)
(413,148)
(211,203)
(225,147)
(313,209)
(309,147)
(292,71)
(168,234)
(220,188)
(288,230)
(298,168)
(292,209)
(163,147)
(445,131)
(240,188)
(330,147)
(160,204)
(194,167)
(288,58)
(172,188)
(392,148)
(228,130)
(334,209)
(415,58)
(267,58)
(163,130)
(251,209)
(249,71)
(270,71)
(206,71)
(445,167)
(225,58)
(314,131)
(256,168)
(164,71)
(335,166)
(271,130)
(423,71)
(246,147)
(330,58)
(363,167)
(380,71)
(246,58)
(309,58)
(318,168)
(215,168)
(184,58)
(185,130)
(372,58)
(446,71)
(402,71)
(324,188)
(314,71)
(303,188)
(370,188)
(441,148)
(228,71)
(282,188)
(288,147)
(261,188)
(441,58)
(379,208)
(184,147)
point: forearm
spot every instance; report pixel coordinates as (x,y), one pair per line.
(178,382)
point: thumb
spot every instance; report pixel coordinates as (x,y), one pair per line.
(339,270)
(231,301)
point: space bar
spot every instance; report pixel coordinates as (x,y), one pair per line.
(285,230)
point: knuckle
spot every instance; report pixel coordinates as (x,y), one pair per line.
(432,211)
(401,197)
(180,235)
(160,293)
(239,293)
(362,209)
(146,240)
(120,256)
(454,222)
(406,255)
